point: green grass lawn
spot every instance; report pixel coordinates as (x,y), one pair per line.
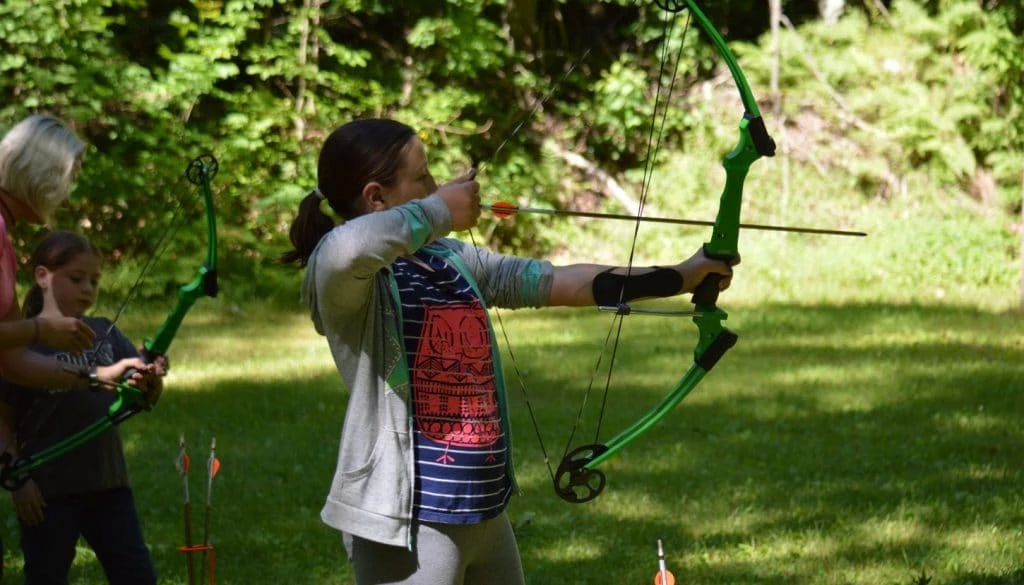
(864,431)
(861,443)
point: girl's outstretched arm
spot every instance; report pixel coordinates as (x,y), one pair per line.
(579,285)
(27,368)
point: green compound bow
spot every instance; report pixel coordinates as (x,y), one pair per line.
(131,400)
(578,478)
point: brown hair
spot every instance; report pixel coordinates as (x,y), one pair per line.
(57,249)
(357,153)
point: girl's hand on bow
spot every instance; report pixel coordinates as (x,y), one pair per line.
(697,267)
(114,374)
(463,199)
(152,382)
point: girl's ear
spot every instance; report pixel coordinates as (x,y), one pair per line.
(373,197)
(43,277)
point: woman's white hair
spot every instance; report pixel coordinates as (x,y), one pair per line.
(39,161)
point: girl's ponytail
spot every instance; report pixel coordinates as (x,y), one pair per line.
(310,225)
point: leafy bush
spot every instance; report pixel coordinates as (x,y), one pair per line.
(928,111)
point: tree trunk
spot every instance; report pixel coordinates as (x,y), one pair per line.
(308,52)
(775,14)
(521,19)
(831,10)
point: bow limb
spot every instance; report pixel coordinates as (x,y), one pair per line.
(578,478)
(130,399)
(200,172)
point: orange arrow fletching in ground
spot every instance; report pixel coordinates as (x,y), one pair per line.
(214,467)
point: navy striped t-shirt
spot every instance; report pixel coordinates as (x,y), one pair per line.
(460,445)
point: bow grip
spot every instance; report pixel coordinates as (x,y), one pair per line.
(120,415)
(706,293)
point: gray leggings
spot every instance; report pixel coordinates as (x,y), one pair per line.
(444,554)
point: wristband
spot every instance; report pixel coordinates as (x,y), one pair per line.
(95,385)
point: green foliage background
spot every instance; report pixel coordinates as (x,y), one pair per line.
(917,108)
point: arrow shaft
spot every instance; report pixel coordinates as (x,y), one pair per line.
(211,472)
(623,217)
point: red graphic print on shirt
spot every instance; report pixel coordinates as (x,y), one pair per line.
(453,378)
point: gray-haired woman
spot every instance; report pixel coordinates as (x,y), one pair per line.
(39,161)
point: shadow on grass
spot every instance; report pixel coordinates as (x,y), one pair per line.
(854,444)
(835,444)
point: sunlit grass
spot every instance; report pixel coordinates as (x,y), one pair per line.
(856,435)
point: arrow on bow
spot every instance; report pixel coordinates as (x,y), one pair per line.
(131,400)
(504,210)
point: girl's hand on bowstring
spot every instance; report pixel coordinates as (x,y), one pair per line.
(29,503)
(463,199)
(65,333)
(697,267)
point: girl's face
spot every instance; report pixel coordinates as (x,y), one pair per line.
(414,180)
(71,289)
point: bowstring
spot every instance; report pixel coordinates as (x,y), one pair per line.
(538,102)
(615,330)
(655,138)
(177,221)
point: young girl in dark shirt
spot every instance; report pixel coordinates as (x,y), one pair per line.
(86,491)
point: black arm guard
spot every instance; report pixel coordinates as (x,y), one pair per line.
(611,289)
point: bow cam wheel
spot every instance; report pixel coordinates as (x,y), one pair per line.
(671,5)
(202,169)
(575,483)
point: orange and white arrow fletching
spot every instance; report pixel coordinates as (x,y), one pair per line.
(184,462)
(503,209)
(213,464)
